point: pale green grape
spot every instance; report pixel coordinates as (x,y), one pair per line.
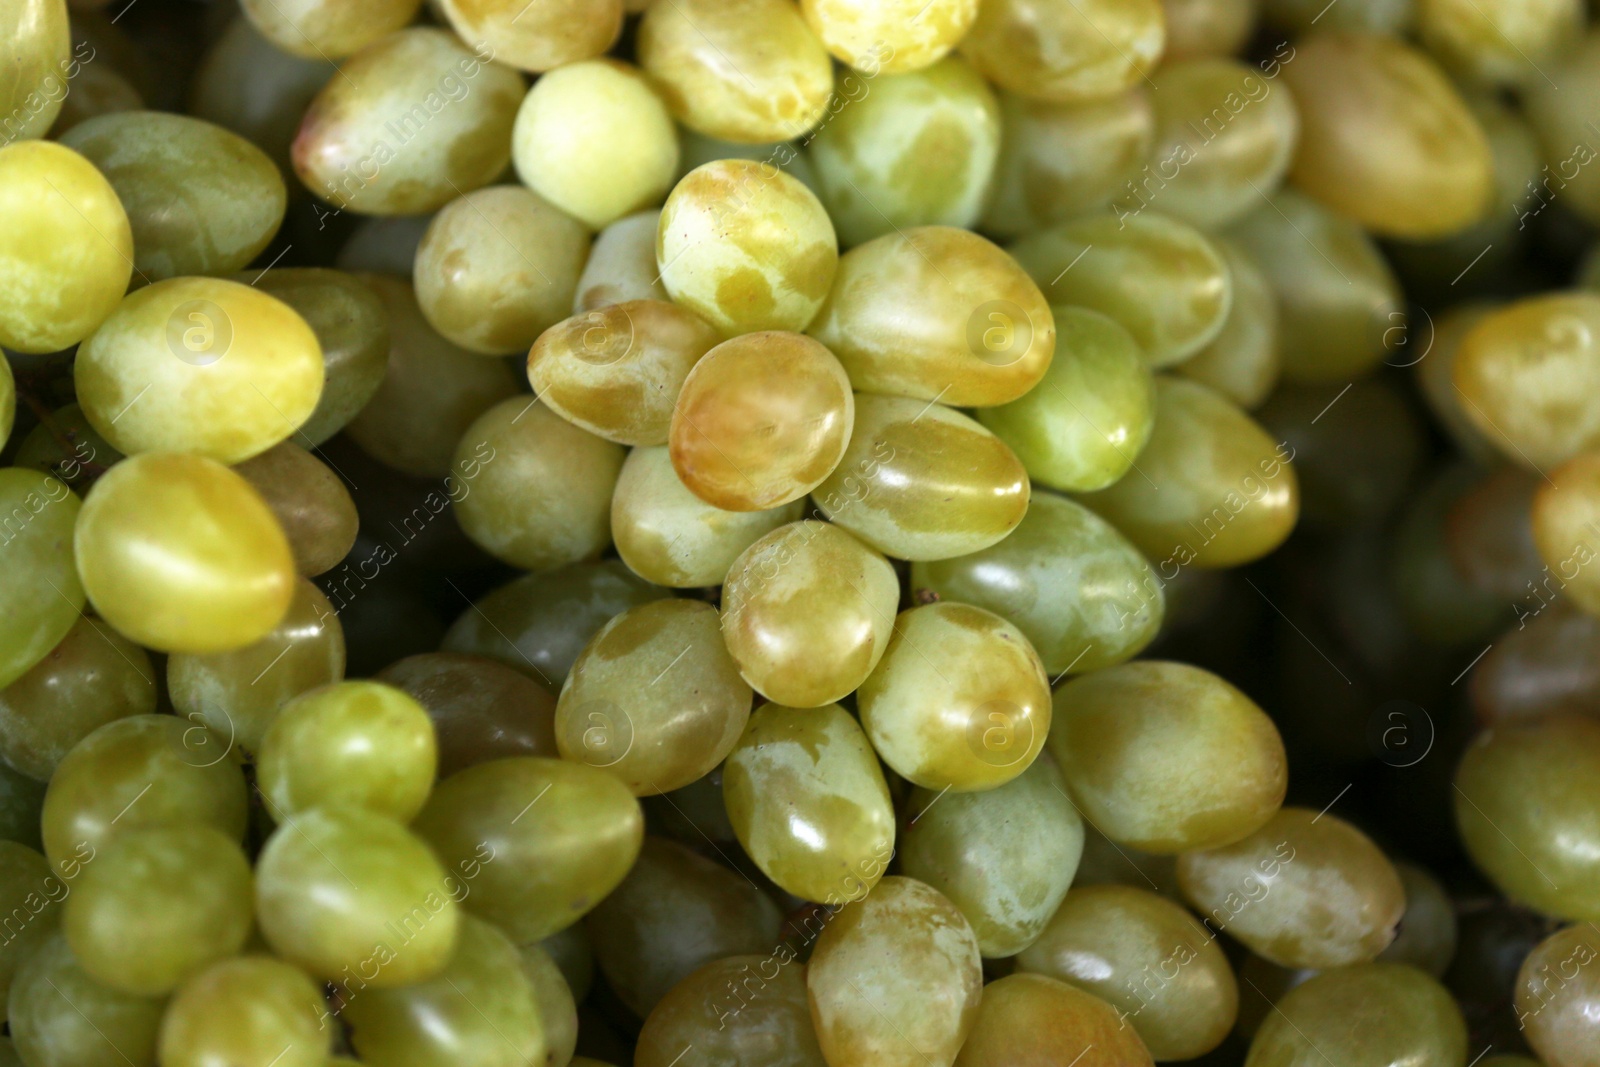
(252,1011)
(41,596)
(558,1012)
(1373,1013)
(30,901)
(325,30)
(60,1017)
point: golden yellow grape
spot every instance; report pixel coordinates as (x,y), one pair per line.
(1031,1020)
(35,53)
(1066,50)
(889,36)
(327,29)
(536,36)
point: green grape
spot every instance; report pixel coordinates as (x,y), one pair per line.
(959,701)
(350,744)
(1004,856)
(181,554)
(762,419)
(1163,972)
(1083,50)
(1498,42)
(1305,890)
(478,1009)
(937,313)
(1436,599)
(532,489)
(745,1010)
(1080,593)
(352,329)
(99,89)
(481,710)
(1372,1013)
(895,978)
(808,802)
(431,392)
(1489,537)
(454,110)
(921,481)
(157,906)
(356,898)
(558,1012)
(654,699)
(1244,360)
(1161,279)
(806,613)
(21,807)
(746,246)
(8,405)
(69,450)
(8,1054)
(60,1017)
(616,371)
(141,771)
(95,675)
(538,37)
(1262,985)
(699,149)
(622,265)
(42,595)
(1200,28)
(542,861)
(570,950)
(673,913)
(596,141)
(1560,121)
(667,535)
(30,897)
(310,502)
(37,43)
(324,30)
(893,37)
(233,200)
(538,623)
(1427,936)
(1082,426)
(913,149)
(252,1011)
(497,267)
(743,72)
(1528,807)
(1557,995)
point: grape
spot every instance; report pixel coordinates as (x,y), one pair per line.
(673,913)
(1066,52)
(141,771)
(1501,43)
(37,42)
(937,313)
(570,950)
(67,248)
(497,267)
(1244,360)
(622,265)
(536,37)
(596,141)
(252,1011)
(741,71)
(69,450)
(1372,1013)
(894,37)
(1305,890)
(8,405)
(959,701)
(1489,537)
(318,29)
(1004,856)
(1559,122)
(30,901)
(1030,1020)
(746,246)
(1374,16)
(746,1010)
(354,897)
(60,1017)
(480,709)
(921,481)
(41,597)
(1200,28)
(808,802)
(1427,936)
(309,501)
(1547,666)
(233,202)
(700,149)
(343,152)
(21,805)
(181,554)
(1556,997)
(558,1013)
(616,371)
(542,862)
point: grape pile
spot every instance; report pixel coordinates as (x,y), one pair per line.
(799,533)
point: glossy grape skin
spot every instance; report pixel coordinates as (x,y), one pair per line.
(1080,593)
(310,502)
(622,264)
(921,481)
(1556,997)
(250,1011)
(353,896)
(1030,1020)
(37,42)
(532,489)
(497,267)
(889,38)
(431,392)
(321,29)
(182,555)
(352,330)
(1427,937)
(30,895)
(1064,52)
(749,1011)
(1080,428)
(1527,810)
(1149,959)
(746,247)
(460,142)
(554,857)
(60,1017)
(543,38)
(1372,1013)
(1220,491)
(1338,301)
(540,622)
(616,714)
(481,710)
(41,596)
(674,913)
(1328,897)
(915,149)
(234,197)
(743,72)
(1244,360)
(1162,279)
(808,802)
(806,613)
(616,371)
(1004,856)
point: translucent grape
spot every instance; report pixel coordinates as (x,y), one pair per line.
(1557,994)
(1244,360)
(541,38)
(251,1011)
(1377,1012)
(1030,1019)
(558,1012)
(891,38)
(60,1017)
(41,597)
(1066,51)
(37,43)
(319,29)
